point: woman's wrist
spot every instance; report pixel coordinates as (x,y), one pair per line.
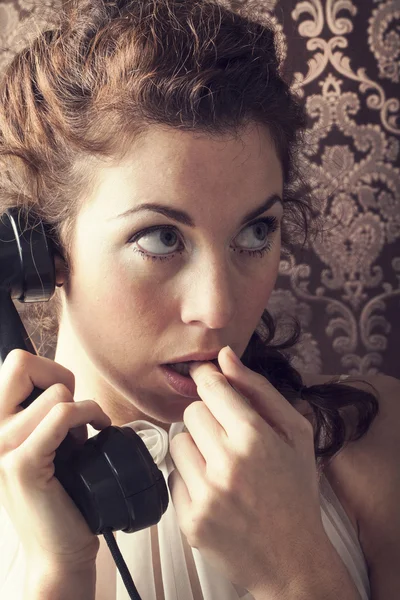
(323,576)
(59,583)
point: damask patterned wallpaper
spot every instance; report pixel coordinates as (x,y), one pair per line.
(343,57)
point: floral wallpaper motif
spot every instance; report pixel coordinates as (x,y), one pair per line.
(343,58)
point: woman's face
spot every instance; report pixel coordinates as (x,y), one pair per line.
(138,299)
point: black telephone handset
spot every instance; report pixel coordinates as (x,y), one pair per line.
(112,477)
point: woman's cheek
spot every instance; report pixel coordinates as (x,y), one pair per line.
(134,296)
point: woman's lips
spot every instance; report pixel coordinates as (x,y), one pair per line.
(183,385)
(214,362)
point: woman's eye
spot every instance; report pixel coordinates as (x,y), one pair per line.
(158,240)
(259,230)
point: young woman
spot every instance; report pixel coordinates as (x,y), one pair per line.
(158,140)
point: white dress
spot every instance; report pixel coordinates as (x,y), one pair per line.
(162,564)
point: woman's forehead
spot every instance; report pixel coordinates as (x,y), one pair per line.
(186,169)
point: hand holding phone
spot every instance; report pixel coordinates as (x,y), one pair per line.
(51,528)
(61,494)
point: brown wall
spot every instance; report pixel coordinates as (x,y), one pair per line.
(346,288)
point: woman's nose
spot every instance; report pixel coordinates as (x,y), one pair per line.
(210,295)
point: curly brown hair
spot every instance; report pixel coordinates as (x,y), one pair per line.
(78,95)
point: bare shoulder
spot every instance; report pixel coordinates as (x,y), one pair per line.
(366,478)
(384,432)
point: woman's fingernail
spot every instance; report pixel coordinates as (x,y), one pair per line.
(234,358)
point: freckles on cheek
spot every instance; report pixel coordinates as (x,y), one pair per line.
(257,300)
(263,288)
(137,299)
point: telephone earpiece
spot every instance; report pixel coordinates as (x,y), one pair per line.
(112,478)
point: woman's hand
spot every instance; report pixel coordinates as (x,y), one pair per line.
(52,530)
(245,488)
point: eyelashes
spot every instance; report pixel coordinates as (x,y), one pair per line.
(271,222)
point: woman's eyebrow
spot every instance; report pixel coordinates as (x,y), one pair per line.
(183,217)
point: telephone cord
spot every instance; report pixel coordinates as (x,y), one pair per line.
(121,565)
